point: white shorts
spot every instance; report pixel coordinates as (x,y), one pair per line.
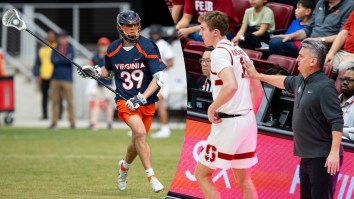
(231,143)
(104,94)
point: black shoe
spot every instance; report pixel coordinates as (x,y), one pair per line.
(72,126)
(109,126)
(92,127)
(53,126)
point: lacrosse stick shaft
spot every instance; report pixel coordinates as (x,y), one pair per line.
(95,78)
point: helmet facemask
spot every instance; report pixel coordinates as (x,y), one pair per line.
(125,34)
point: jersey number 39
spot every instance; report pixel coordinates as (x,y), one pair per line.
(129,79)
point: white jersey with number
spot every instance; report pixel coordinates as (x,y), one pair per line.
(226,55)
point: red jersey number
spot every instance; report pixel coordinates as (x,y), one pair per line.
(242,61)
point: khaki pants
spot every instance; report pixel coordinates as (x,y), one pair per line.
(64,88)
(338,64)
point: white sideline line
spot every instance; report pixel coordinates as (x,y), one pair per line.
(84,124)
(49,156)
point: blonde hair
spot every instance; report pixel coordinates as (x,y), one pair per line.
(216,20)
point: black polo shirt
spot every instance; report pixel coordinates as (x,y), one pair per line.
(316,114)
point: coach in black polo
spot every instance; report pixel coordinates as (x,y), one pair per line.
(317,121)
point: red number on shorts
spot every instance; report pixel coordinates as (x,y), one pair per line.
(210,151)
(136,75)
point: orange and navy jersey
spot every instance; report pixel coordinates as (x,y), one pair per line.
(134,68)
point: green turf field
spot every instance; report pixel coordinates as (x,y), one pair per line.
(65,163)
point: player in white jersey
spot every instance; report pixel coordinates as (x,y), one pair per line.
(233,138)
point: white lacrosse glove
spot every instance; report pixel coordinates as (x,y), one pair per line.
(135,102)
(95,71)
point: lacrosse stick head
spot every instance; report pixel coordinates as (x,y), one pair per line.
(11,19)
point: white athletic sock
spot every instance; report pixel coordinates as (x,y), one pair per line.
(125,164)
(149,172)
(165,127)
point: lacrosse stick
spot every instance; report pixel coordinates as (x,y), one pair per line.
(11,19)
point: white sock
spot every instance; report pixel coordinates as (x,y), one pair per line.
(125,164)
(165,127)
(149,172)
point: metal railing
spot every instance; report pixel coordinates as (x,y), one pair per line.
(19,66)
(82,49)
(49,23)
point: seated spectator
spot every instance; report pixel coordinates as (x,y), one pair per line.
(203,82)
(169,4)
(188,26)
(347,96)
(177,10)
(341,54)
(326,21)
(303,13)
(257,22)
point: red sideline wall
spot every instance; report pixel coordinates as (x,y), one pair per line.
(275,175)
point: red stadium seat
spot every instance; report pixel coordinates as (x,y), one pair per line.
(191,60)
(337,83)
(289,63)
(263,65)
(327,69)
(239,7)
(192,52)
(195,45)
(253,53)
(282,15)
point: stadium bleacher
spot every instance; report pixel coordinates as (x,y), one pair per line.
(282,16)
(289,63)
(193,50)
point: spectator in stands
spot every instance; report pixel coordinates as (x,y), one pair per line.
(347,96)
(167,56)
(303,13)
(257,22)
(100,96)
(317,120)
(169,4)
(341,54)
(43,70)
(177,10)
(203,83)
(327,19)
(188,26)
(62,79)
